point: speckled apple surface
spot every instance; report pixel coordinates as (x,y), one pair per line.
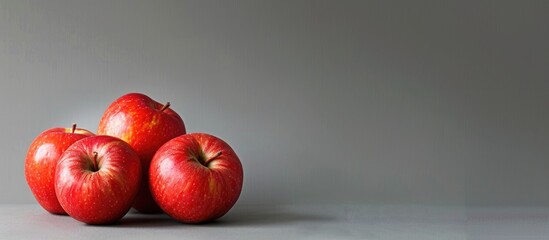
(41,161)
(145,124)
(97,179)
(196,177)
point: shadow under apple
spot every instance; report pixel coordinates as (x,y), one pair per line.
(245,216)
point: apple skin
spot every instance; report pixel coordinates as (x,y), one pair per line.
(41,161)
(97,179)
(145,124)
(196,178)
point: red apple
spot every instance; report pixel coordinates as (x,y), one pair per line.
(196,178)
(145,124)
(41,160)
(97,179)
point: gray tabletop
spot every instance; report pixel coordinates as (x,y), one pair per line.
(29,221)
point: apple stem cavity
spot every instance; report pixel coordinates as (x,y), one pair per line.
(95,167)
(214,156)
(73,127)
(165,107)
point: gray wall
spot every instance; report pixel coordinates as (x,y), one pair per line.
(386,102)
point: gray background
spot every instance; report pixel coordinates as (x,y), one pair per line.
(376,102)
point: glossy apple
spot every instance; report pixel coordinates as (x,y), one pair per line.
(97,179)
(42,157)
(145,124)
(196,178)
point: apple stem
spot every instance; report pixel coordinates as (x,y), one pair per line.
(95,168)
(215,156)
(73,127)
(165,107)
